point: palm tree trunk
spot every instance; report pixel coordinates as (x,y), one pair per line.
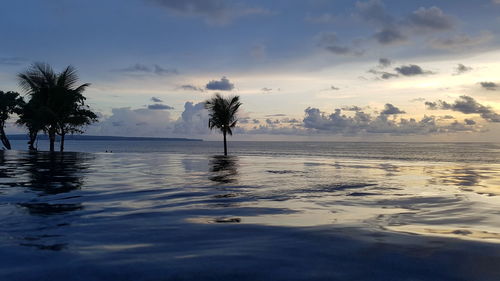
(225,143)
(52,139)
(4,138)
(62,141)
(32,134)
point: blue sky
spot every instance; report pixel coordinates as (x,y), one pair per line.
(316,69)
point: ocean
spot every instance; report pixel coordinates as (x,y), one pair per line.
(154,210)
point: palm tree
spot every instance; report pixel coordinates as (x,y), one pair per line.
(223,114)
(57,104)
(9,103)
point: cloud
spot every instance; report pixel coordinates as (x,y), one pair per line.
(411,70)
(466,105)
(213,11)
(334,88)
(12,61)
(489,86)
(389,35)
(159,106)
(461,41)
(365,123)
(390,109)
(139,68)
(432,19)
(155,99)
(276,115)
(330,42)
(188,87)
(374,11)
(266,90)
(384,62)
(163,71)
(461,69)
(222,85)
(193,120)
(155,123)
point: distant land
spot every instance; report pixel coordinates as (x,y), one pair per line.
(102,138)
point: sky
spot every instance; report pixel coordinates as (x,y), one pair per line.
(305,70)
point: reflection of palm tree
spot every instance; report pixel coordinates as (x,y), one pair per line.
(54,173)
(223,114)
(224,169)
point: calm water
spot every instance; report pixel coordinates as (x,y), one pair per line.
(273,211)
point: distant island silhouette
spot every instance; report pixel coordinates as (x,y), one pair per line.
(102,138)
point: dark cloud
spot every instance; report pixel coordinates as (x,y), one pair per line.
(290,121)
(272,122)
(330,42)
(352,108)
(411,70)
(214,11)
(390,109)
(365,123)
(155,99)
(384,62)
(389,35)
(430,19)
(159,106)
(491,86)
(466,105)
(188,87)
(374,11)
(139,68)
(266,89)
(222,85)
(334,88)
(136,68)
(461,41)
(383,74)
(461,69)
(164,71)
(469,122)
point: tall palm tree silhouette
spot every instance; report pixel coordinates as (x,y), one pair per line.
(223,114)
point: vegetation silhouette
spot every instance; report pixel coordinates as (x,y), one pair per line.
(56,106)
(9,104)
(223,114)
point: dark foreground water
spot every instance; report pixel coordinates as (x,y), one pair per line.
(274,211)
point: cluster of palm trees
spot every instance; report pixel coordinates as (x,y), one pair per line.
(55,105)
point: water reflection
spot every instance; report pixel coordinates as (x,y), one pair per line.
(224,169)
(54,173)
